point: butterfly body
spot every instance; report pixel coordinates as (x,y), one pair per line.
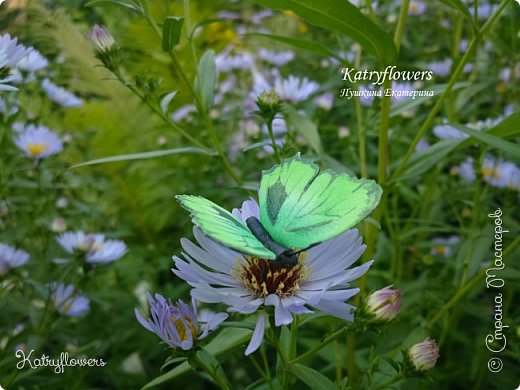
(285,257)
(299,207)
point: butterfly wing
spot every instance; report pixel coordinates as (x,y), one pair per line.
(222,226)
(299,206)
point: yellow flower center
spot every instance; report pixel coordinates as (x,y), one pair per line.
(414,7)
(440,250)
(491,172)
(263,277)
(181,329)
(36,149)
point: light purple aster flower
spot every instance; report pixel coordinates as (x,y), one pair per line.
(68,303)
(442,246)
(484,10)
(422,146)
(295,89)
(416,8)
(500,173)
(227,61)
(183,112)
(441,68)
(246,284)
(446,131)
(178,324)
(33,61)
(11,52)
(466,170)
(11,258)
(60,95)
(95,247)
(38,142)
(276,58)
(402,90)
(325,101)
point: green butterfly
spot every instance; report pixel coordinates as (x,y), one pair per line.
(299,207)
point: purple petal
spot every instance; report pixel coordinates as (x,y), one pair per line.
(258,335)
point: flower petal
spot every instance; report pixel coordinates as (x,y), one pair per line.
(258,335)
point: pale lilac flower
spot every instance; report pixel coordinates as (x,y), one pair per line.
(442,246)
(466,170)
(227,61)
(325,101)
(33,61)
(366,98)
(11,52)
(424,355)
(422,146)
(178,324)
(246,284)
(11,258)
(446,131)
(62,202)
(484,9)
(500,173)
(384,304)
(95,247)
(60,95)
(440,68)
(402,90)
(8,109)
(295,89)
(183,112)
(276,58)
(38,142)
(68,303)
(416,8)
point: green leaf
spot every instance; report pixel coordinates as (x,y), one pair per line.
(172,360)
(305,127)
(343,17)
(226,340)
(484,136)
(303,44)
(206,79)
(145,155)
(212,366)
(171,32)
(121,3)
(166,100)
(312,378)
(459,6)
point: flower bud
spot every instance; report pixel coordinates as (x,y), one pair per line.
(103,41)
(384,304)
(424,355)
(269,104)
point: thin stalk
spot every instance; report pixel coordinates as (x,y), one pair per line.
(454,77)
(389,382)
(273,141)
(326,341)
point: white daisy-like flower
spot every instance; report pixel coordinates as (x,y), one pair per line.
(60,95)
(276,58)
(33,61)
(95,247)
(11,258)
(500,173)
(246,284)
(68,303)
(38,142)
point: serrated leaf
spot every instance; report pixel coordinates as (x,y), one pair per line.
(343,17)
(302,44)
(312,378)
(171,32)
(144,155)
(166,100)
(206,79)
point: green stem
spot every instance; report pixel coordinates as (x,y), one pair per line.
(269,123)
(399,31)
(454,77)
(389,382)
(326,341)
